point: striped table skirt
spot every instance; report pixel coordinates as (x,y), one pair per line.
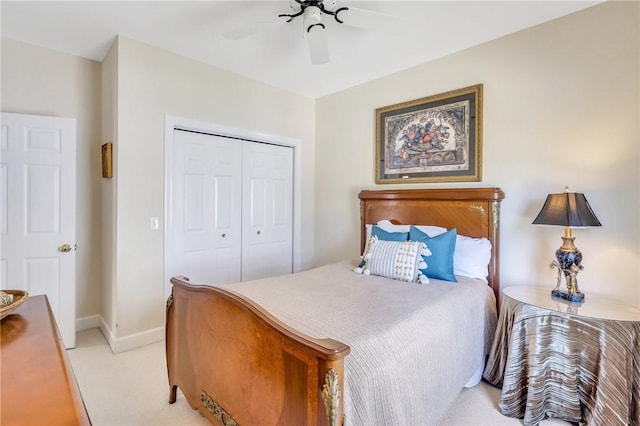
(554,364)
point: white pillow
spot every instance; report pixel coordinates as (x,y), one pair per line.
(398,260)
(471,257)
(431,231)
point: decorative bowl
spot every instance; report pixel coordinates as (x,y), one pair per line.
(19,296)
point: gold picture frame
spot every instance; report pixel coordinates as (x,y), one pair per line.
(107,164)
(432,139)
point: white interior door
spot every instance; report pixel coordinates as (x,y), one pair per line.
(38,196)
(206,205)
(267,211)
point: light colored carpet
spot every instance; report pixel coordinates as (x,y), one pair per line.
(131,389)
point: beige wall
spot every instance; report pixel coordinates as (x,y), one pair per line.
(561,107)
(44,82)
(151,83)
(109,194)
(140,85)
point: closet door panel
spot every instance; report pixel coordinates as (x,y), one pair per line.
(206,206)
(267,211)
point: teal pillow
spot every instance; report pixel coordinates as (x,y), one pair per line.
(389,236)
(440,263)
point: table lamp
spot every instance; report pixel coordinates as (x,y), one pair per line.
(568,209)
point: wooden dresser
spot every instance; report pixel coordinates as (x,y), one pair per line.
(37,385)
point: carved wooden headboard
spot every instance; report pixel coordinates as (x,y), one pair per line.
(475,212)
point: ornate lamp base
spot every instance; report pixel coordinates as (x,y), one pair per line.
(568,263)
(576,297)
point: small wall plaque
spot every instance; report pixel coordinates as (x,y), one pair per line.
(107,169)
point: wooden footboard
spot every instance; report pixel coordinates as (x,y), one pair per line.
(237,364)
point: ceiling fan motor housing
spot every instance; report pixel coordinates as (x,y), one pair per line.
(302,4)
(312,26)
(311,18)
(312,8)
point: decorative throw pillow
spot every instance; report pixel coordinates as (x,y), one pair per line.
(430,230)
(399,260)
(377,231)
(388,226)
(389,236)
(442,247)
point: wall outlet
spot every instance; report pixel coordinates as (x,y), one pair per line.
(154,223)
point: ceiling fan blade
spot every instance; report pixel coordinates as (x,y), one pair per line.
(318,46)
(251,29)
(371,20)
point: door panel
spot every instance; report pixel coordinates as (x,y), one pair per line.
(41,277)
(4,211)
(194,203)
(42,199)
(38,179)
(267,248)
(206,208)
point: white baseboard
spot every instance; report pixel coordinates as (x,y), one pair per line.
(87,323)
(133,341)
(106,332)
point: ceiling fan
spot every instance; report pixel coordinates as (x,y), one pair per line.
(314,29)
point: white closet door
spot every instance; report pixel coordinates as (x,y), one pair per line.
(267,219)
(206,208)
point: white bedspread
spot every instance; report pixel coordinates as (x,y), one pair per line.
(413,347)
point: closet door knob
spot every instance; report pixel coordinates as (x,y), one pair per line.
(224,235)
(258,232)
(65,248)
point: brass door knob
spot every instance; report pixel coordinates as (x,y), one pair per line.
(64,248)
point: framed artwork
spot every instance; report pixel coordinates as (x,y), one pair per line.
(107,170)
(433,139)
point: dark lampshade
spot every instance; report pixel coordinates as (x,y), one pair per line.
(569,209)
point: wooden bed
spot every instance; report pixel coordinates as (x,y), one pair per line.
(237,364)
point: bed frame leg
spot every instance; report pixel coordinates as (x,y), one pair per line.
(172,393)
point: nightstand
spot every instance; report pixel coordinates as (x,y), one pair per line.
(578,363)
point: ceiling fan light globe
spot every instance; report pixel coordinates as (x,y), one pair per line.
(318,46)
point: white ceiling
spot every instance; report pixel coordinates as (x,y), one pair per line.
(279,56)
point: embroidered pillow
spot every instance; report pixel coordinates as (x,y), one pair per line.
(442,247)
(398,260)
(377,231)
